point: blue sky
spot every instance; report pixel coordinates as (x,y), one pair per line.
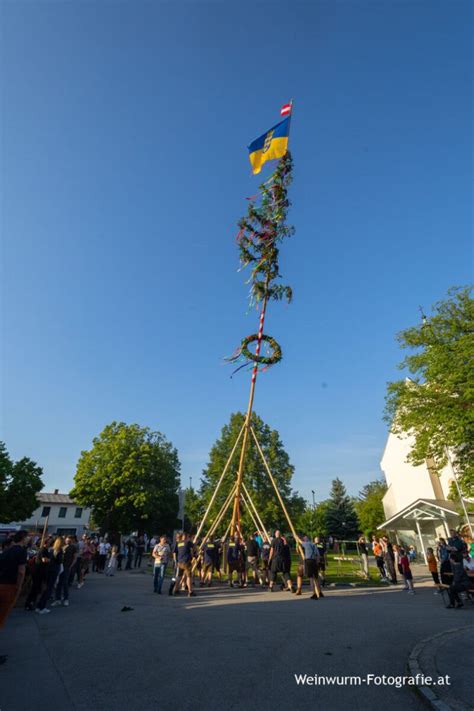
(125,169)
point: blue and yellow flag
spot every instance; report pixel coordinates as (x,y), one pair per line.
(273,144)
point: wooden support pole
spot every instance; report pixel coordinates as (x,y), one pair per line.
(255,523)
(45,529)
(216,523)
(248,418)
(201,525)
(260,527)
(282,503)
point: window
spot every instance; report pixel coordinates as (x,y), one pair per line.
(45,512)
(78,513)
(62,512)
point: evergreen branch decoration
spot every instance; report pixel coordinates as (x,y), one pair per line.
(261,232)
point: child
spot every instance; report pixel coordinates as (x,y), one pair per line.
(433,567)
(112,564)
(407,574)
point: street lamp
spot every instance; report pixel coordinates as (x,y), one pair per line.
(312,517)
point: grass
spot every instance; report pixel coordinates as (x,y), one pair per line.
(344,571)
(339,571)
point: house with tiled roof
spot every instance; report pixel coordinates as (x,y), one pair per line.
(61,514)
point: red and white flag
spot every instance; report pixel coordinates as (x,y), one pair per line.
(285,109)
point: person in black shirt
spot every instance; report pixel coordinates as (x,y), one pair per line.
(39,574)
(235,561)
(253,554)
(12,573)
(321,546)
(461,580)
(278,562)
(265,554)
(217,566)
(209,552)
(54,566)
(69,560)
(183,556)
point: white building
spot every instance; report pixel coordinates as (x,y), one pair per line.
(63,515)
(416,504)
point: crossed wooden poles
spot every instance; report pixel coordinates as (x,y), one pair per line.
(239,492)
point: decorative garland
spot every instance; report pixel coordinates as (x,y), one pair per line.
(264,360)
(261,231)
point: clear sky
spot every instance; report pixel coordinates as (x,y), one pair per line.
(124,171)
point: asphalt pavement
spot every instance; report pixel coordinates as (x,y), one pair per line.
(225,648)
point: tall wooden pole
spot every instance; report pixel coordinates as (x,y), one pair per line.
(201,525)
(282,503)
(261,526)
(235,523)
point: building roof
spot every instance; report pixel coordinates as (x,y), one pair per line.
(45,498)
(434,507)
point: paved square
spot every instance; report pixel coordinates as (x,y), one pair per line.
(232,649)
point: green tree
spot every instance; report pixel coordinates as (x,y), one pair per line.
(369,506)
(130,479)
(255,476)
(341,517)
(322,527)
(193,509)
(313,520)
(19,483)
(436,403)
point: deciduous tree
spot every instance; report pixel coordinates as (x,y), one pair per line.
(130,479)
(19,483)
(436,404)
(255,476)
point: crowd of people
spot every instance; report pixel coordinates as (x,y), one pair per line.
(451,564)
(56,563)
(255,561)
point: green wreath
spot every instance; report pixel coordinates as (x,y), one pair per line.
(271,360)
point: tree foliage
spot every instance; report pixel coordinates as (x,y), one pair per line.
(313,520)
(436,403)
(255,476)
(130,479)
(369,506)
(19,483)
(341,517)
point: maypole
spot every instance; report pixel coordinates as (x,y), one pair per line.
(261,232)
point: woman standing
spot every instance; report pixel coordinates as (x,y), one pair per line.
(54,569)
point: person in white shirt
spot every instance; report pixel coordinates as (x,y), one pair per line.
(468,564)
(161,554)
(103,550)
